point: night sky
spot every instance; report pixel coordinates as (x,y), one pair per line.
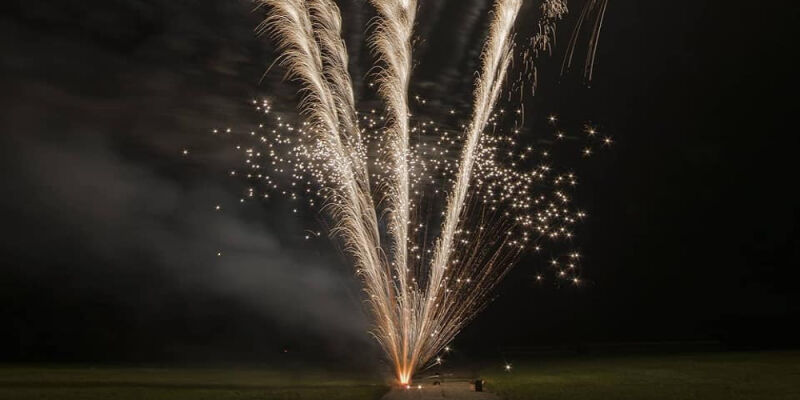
(110,237)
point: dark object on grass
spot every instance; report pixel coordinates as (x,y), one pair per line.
(436,378)
(478,385)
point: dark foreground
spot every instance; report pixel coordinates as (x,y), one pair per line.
(459,390)
(729,376)
(46,383)
(771,375)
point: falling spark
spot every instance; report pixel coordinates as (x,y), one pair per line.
(552,11)
(598,9)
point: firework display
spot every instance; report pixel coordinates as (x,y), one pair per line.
(431,218)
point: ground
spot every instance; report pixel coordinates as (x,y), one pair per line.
(457,390)
(729,376)
(708,376)
(102,383)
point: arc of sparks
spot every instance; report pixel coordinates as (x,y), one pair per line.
(391,42)
(351,206)
(497,54)
(598,7)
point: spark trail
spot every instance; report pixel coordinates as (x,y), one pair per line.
(495,59)
(391,41)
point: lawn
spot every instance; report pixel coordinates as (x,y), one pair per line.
(728,376)
(708,376)
(45,383)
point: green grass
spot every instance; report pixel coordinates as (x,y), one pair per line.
(710,376)
(728,376)
(43,383)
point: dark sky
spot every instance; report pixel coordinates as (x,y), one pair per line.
(110,239)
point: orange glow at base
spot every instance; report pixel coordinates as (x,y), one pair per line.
(404,377)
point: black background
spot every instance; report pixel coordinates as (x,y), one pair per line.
(109,236)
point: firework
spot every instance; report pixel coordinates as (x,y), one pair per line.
(365,168)
(443,313)
(391,42)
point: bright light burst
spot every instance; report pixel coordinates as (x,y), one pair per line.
(431,217)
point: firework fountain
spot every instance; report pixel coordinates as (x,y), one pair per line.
(372,182)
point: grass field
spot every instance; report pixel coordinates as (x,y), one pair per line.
(708,376)
(728,376)
(50,383)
